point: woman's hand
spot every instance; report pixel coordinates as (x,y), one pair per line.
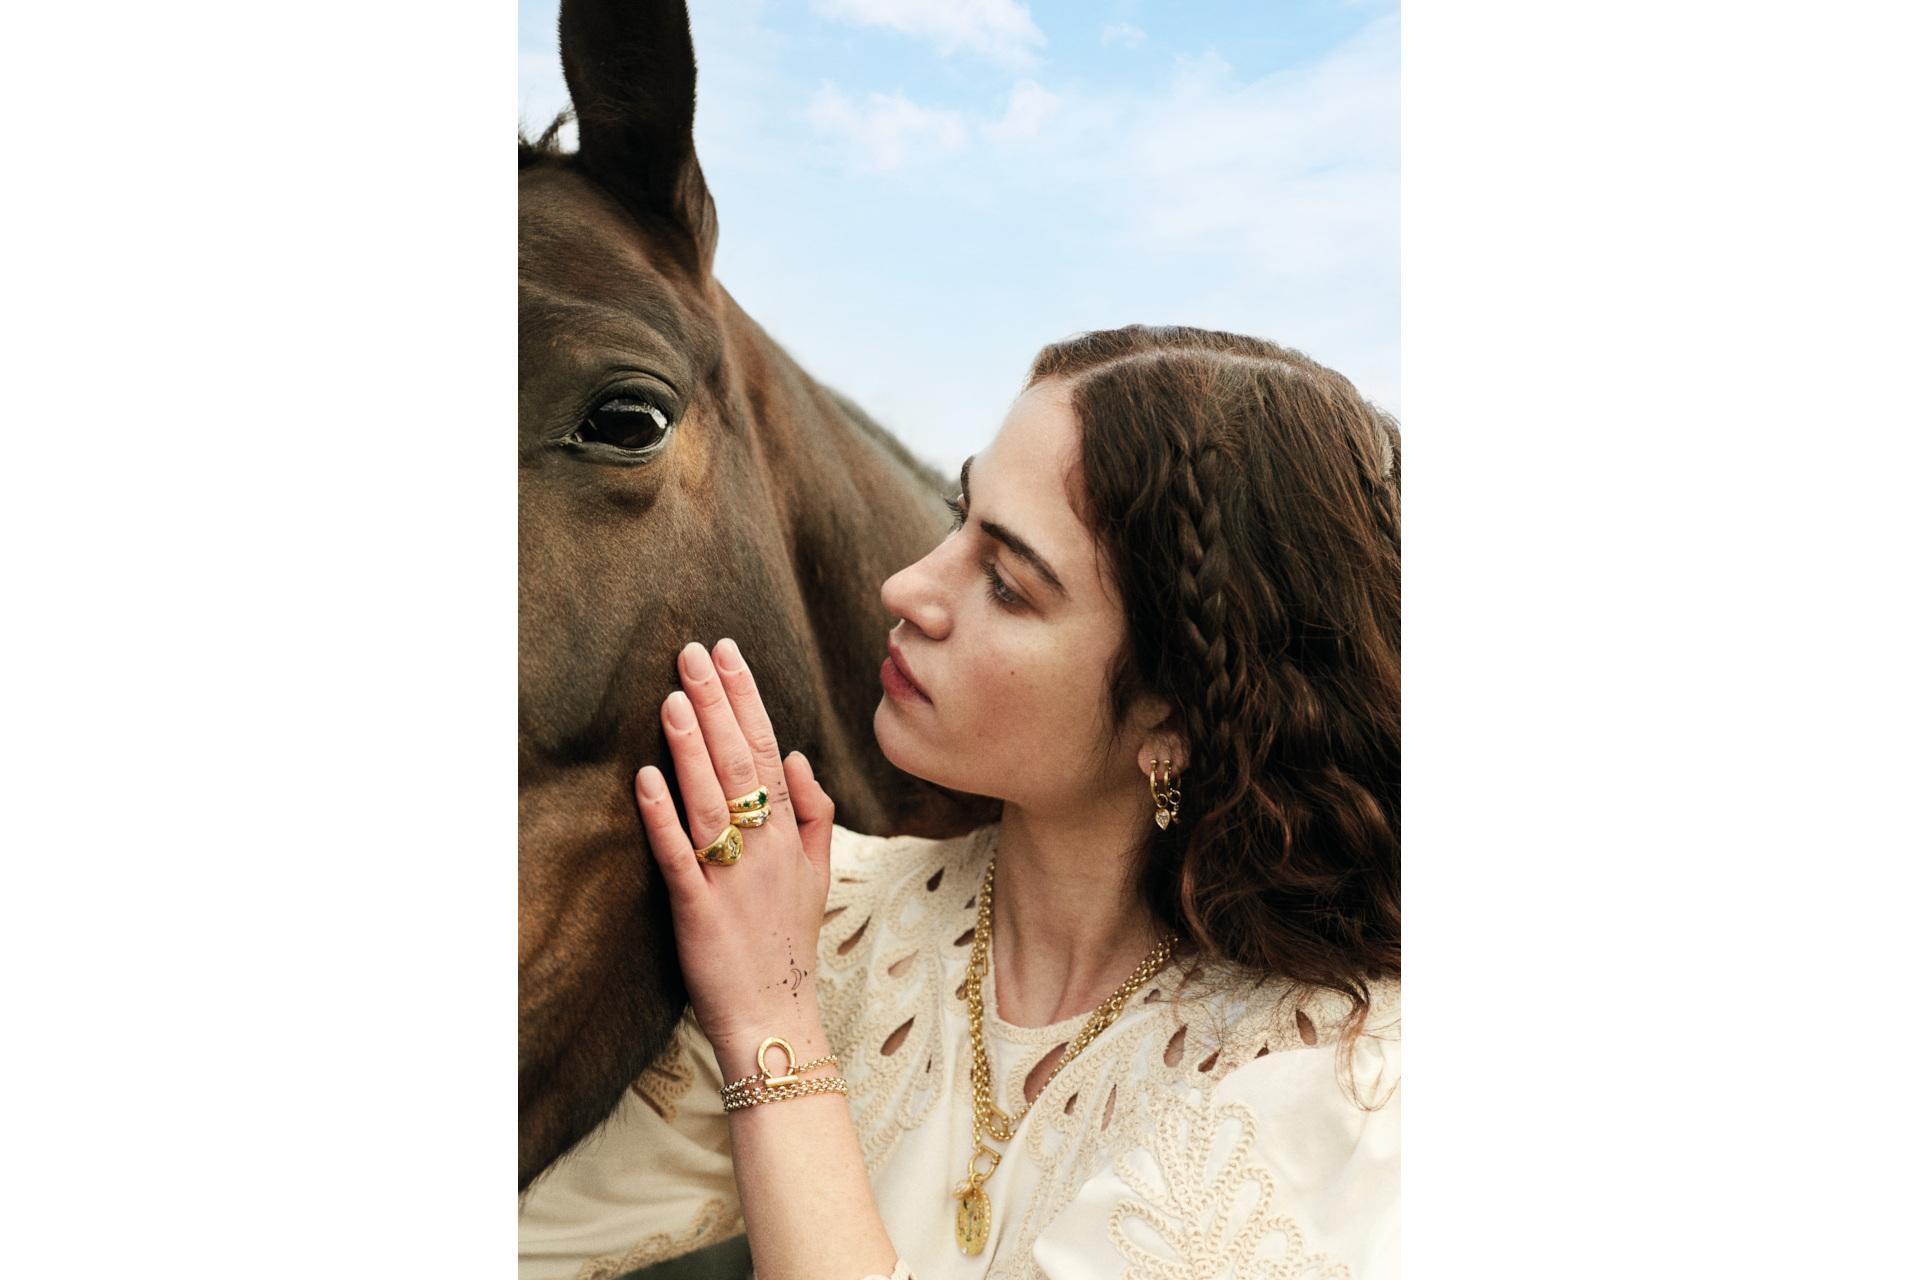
(747,933)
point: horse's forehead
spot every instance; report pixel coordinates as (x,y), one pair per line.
(576,243)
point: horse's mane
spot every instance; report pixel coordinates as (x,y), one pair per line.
(546,148)
(885,441)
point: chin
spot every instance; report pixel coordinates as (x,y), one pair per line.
(902,748)
(889,733)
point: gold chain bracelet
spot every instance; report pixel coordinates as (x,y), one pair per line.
(763,1086)
(740,1088)
(780,1093)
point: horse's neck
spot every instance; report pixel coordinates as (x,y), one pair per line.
(858,507)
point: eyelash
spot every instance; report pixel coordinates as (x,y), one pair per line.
(997,588)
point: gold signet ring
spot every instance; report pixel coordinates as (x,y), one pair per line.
(724,851)
(748,803)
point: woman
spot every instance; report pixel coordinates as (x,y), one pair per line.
(1145,1025)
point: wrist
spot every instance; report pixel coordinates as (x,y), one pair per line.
(736,1046)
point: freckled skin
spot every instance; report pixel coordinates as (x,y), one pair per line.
(1019,694)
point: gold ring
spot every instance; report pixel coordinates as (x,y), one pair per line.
(757,818)
(725,849)
(748,803)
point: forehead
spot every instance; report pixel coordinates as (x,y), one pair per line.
(576,241)
(586,278)
(1039,441)
(1026,478)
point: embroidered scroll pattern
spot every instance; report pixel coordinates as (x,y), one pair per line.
(662,1085)
(716,1221)
(1207,1205)
(1122,1082)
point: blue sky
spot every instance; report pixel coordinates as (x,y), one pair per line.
(915,195)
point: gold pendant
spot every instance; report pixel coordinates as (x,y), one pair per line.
(1160,816)
(971,1220)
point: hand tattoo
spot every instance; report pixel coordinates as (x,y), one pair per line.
(795,974)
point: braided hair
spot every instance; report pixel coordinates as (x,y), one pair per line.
(1246,503)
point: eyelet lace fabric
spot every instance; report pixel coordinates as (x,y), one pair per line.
(1148,1096)
(662,1085)
(1219,1128)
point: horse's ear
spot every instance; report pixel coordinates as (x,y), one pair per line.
(629,67)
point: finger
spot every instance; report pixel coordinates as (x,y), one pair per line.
(671,848)
(751,715)
(700,789)
(813,807)
(726,745)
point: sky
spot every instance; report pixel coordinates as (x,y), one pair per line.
(916,195)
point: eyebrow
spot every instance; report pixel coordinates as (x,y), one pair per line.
(1012,541)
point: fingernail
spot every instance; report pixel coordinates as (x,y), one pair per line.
(652,785)
(698,664)
(679,710)
(726,655)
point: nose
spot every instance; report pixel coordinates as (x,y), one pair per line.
(918,594)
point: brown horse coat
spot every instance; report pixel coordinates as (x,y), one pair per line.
(731,496)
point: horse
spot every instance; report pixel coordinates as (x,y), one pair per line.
(680,478)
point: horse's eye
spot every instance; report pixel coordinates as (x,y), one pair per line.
(623,422)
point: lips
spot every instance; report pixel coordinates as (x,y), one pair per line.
(897,678)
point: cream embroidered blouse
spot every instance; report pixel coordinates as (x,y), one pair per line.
(1217,1134)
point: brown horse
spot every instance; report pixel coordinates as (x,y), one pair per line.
(680,479)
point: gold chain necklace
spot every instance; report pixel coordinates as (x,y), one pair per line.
(975,1214)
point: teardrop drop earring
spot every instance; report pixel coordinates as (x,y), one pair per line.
(1165,790)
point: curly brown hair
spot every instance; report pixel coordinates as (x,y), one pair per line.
(1246,501)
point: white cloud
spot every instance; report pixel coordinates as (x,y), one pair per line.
(1122,33)
(1028,106)
(889,130)
(1003,30)
(998,212)
(1298,171)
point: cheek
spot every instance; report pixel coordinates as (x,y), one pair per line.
(1028,718)
(1042,700)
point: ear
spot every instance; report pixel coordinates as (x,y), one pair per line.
(629,67)
(1163,747)
(1164,741)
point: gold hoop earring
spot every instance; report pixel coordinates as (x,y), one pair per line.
(1165,790)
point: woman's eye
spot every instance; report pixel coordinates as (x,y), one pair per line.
(624,422)
(959,511)
(997,586)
